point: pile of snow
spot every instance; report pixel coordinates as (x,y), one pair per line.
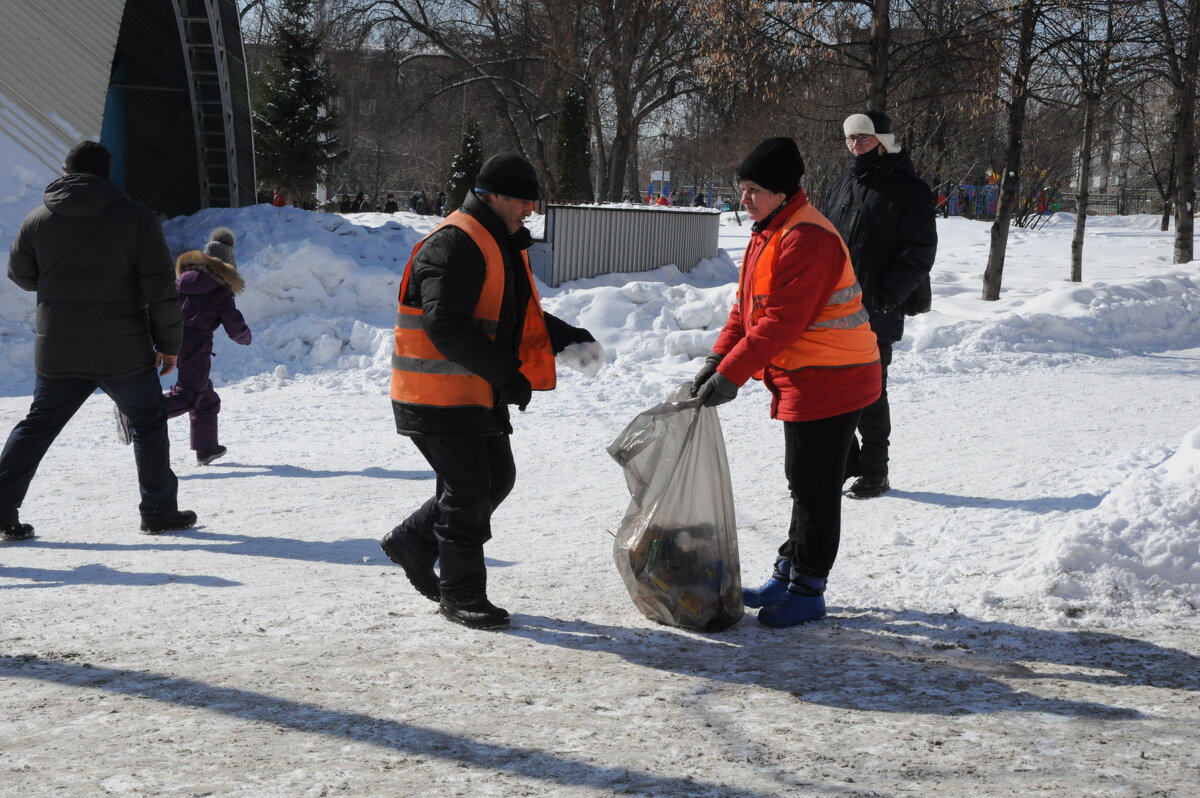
(1139,549)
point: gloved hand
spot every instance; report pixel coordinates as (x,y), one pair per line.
(243,339)
(710,368)
(517,391)
(582,336)
(717,390)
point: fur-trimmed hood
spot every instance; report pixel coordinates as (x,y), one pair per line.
(222,272)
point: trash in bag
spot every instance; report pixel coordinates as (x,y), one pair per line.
(676,548)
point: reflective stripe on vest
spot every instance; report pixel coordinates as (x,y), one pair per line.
(421,375)
(841,333)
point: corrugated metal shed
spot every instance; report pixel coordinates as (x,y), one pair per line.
(584,240)
(55,58)
(162,83)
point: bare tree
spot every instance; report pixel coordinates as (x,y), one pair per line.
(1026,16)
(1179,29)
(1097,42)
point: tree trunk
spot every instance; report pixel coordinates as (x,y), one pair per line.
(1167,204)
(619,155)
(881,40)
(1185,141)
(1091,105)
(993,274)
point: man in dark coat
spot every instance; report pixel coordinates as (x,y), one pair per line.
(886,215)
(107,317)
(467,442)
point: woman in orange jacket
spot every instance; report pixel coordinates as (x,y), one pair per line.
(798,325)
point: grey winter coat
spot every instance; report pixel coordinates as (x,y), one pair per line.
(106,298)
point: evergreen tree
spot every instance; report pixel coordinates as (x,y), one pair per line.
(573,161)
(295,140)
(465,167)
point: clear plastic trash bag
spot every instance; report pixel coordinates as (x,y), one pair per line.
(676,548)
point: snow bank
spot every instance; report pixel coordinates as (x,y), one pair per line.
(1138,550)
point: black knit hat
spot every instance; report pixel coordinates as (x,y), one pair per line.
(88,156)
(775,164)
(510,175)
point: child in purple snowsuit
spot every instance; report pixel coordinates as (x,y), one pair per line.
(206,282)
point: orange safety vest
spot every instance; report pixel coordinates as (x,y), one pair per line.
(421,375)
(841,334)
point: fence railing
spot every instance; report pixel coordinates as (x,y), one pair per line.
(587,240)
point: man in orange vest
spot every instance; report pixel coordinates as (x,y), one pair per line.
(798,324)
(471,339)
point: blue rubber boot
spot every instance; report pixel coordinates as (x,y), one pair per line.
(804,603)
(771,591)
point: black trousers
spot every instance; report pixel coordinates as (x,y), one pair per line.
(814,460)
(474,475)
(870,458)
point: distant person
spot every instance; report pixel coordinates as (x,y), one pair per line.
(390,205)
(797,324)
(107,317)
(278,200)
(662,200)
(698,201)
(345,206)
(357,204)
(207,282)
(471,340)
(886,216)
(441,203)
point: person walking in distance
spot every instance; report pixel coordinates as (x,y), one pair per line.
(108,317)
(471,341)
(887,217)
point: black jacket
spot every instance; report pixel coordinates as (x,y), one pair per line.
(105,283)
(893,245)
(447,278)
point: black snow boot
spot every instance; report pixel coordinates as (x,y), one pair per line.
(168,522)
(869,487)
(420,574)
(472,609)
(206,456)
(13,530)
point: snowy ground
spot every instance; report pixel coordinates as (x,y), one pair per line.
(1018,617)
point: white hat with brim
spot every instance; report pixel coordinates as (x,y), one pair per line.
(860,124)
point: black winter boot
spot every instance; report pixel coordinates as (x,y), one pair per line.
(472,609)
(420,574)
(13,530)
(207,456)
(168,522)
(869,487)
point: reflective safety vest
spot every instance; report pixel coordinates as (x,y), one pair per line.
(841,334)
(421,375)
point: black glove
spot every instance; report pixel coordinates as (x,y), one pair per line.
(717,390)
(517,391)
(582,336)
(710,368)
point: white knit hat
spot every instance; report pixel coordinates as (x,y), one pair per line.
(872,123)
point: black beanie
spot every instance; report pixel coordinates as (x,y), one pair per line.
(775,164)
(90,157)
(510,175)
